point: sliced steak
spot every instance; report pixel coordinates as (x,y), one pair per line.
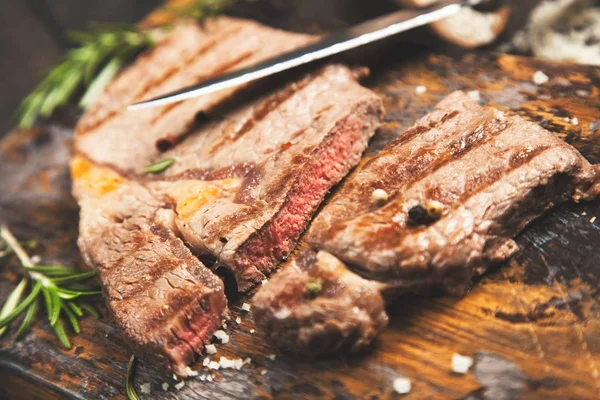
(483,175)
(242,189)
(164,301)
(317,306)
(128,140)
(490,173)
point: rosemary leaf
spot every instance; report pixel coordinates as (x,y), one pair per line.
(52,270)
(76,310)
(55,312)
(61,334)
(73,278)
(27,320)
(90,309)
(35,289)
(129,388)
(97,85)
(12,300)
(73,294)
(159,166)
(72,318)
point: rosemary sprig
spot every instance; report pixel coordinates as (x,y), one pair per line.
(129,388)
(52,283)
(97,57)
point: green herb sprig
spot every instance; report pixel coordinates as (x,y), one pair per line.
(129,387)
(97,57)
(60,287)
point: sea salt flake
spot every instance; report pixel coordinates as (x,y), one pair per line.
(180,385)
(209,378)
(238,320)
(211,349)
(146,388)
(246,307)
(36,259)
(461,364)
(222,336)
(272,356)
(575,121)
(225,363)
(264,282)
(592,220)
(264,371)
(252,331)
(214,365)
(402,385)
(420,89)
(190,372)
(206,361)
(539,78)
(165,386)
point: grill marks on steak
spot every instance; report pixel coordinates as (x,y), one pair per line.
(493,174)
(128,140)
(242,189)
(164,301)
(297,144)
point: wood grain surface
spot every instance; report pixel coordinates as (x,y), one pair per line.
(532,324)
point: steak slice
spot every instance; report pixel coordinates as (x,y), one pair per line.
(490,174)
(317,306)
(165,302)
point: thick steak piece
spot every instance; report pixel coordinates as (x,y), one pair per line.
(165,302)
(243,186)
(315,305)
(483,174)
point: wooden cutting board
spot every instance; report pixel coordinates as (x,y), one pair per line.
(532,325)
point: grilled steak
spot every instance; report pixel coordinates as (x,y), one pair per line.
(485,176)
(316,305)
(164,301)
(243,186)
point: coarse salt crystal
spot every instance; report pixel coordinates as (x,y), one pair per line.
(567,119)
(209,378)
(238,320)
(252,330)
(222,336)
(224,325)
(264,371)
(402,385)
(574,121)
(474,95)
(202,378)
(179,385)
(36,259)
(206,361)
(238,363)
(461,364)
(245,307)
(264,282)
(379,196)
(247,360)
(584,213)
(225,362)
(190,372)
(211,349)
(146,388)
(174,377)
(165,386)
(592,220)
(420,89)
(214,365)
(539,78)
(272,356)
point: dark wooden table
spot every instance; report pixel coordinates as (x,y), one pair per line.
(532,325)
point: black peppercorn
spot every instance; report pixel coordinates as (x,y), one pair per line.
(417,215)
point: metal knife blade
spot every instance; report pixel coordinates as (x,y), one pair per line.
(356,36)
